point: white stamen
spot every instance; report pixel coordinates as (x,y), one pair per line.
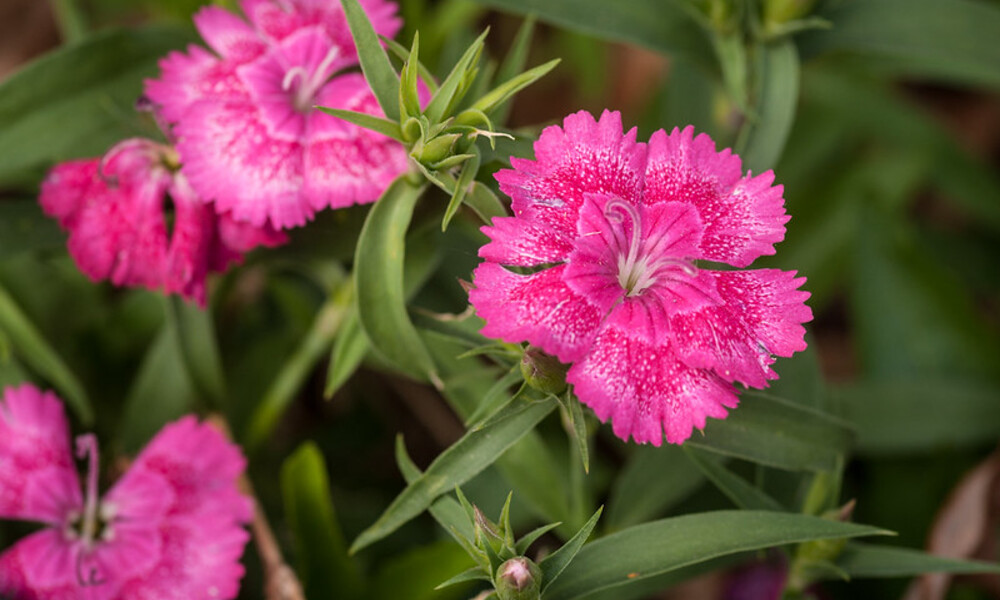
(308,83)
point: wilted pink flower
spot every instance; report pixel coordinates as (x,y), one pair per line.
(134,220)
(169,529)
(611,230)
(247,132)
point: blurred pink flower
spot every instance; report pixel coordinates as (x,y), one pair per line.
(169,529)
(134,220)
(246,130)
(611,229)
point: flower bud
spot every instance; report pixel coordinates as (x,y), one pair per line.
(543,372)
(435,150)
(519,579)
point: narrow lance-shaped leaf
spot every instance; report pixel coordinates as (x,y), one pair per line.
(616,560)
(376,124)
(465,458)
(652,480)
(403,54)
(297,367)
(465,179)
(375,64)
(446,510)
(554,564)
(513,63)
(766,131)
(732,485)
(199,348)
(873,560)
(32,347)
(378,276)
(324,566)
(778,433)
(446,95)
(499,95)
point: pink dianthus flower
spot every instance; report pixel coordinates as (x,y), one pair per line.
(612,230)
(170,529)
(134,220)
(247,133)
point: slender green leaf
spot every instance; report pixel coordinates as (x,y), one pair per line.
(161,391)
(920,414)
(506,90)
(653,480)
(446,510)
(465,458)
(515,59)
(448,94)
(403,54)
(325,569)
(375,64)
(473,574)
(24,228)
(298,366)
(71,20)
(377,124)
(77,101)
(732,485)
(662,26)
(669,544)
(777,97)
(777,433)
(554,564)
(953,41)
(532,536)
(378,276)
(495,399)
(578,430)
(349,349)
(34,350)
(873,560)
(485,203)
(465,179)
(195,333)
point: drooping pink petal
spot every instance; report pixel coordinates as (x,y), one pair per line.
(743,216)
(583,156)
(539,308)
(38,480)
(645,390)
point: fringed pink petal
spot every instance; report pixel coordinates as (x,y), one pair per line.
(743,216)
(537,308)
(230,159)
(645,390)
(229,35)
(524,243)
(583,156)
(38,480)
(761,317)
(45,566)
(188,78)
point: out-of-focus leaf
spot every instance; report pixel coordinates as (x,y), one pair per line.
(653,480)
(378,276)
(349,349)
(732,485)
(875,560)
(24,228)
(161,391)
(777,97)
(34,350)
(506,90)
(919,414)
(77,101)
(614,560)
(554,564)
(297,367)
(375,64)
(953,40)
(777,433)
(446,510)
(199,348)
(465,458)
(324,567)
(689,98)
(414,575)
(662,26)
